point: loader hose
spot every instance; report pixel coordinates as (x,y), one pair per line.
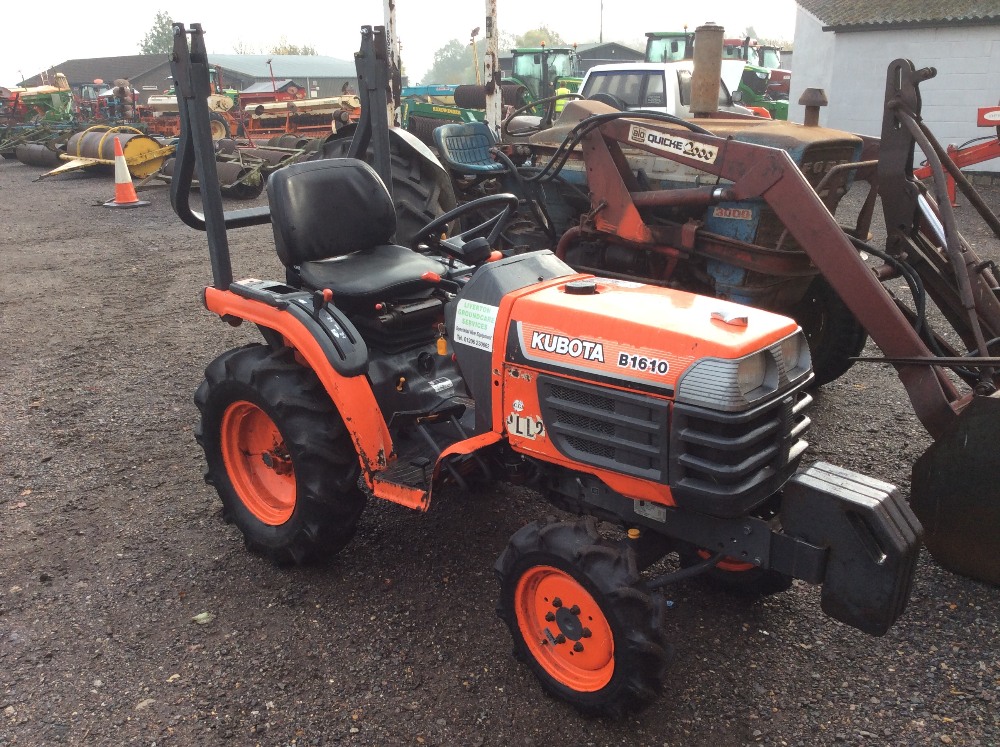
(537,210)
(910,275)
(952,244)
(916,286)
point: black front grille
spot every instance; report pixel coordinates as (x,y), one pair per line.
(606,428)
(726,463)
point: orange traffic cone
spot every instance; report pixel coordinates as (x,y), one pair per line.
(125,196)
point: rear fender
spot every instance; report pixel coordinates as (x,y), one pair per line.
(352,395)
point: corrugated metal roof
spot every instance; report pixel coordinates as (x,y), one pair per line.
(298,66)
(611,47)
(874,14)
(107,69)
(265,86)
(250,65)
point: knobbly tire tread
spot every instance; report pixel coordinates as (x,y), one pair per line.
(216,117)
(328,501)
(833,332)
(608,572)
(417,197)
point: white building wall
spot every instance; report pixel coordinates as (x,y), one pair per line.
(813,62)
(967,59)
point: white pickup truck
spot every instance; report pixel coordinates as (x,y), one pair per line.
(656,86)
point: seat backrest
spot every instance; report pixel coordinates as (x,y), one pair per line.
(465,146)
(328,208)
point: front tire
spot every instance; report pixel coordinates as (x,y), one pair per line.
(278,454)
(834,334)
(588,633)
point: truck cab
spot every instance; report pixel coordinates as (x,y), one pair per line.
(658,87)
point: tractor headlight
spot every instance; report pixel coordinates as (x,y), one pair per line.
(751,372)
(732,385)
(795,354)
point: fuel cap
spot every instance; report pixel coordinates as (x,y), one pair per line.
(581,287)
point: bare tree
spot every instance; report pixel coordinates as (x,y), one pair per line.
(242,47)
(285,47)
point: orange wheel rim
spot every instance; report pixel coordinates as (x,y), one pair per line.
(258,463)
(565,630)
(728,564)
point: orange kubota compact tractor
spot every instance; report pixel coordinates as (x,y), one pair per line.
(387,369)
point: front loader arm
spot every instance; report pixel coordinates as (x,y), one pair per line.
(758,171)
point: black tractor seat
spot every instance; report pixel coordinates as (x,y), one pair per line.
(333,223)
(381,273)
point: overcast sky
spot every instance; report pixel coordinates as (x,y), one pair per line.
(333,27)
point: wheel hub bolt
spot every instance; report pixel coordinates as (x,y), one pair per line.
(560,638)
(549,617)
(557,602)
(578,647)
(586,633)
(574,610)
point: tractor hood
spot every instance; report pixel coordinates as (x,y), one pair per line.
(788,136)
(629,332)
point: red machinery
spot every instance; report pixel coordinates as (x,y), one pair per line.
(977,151)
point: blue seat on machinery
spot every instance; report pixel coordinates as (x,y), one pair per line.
(466,147)
(333,222)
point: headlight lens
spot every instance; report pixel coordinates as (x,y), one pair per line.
(731,385)
(750,372)
(795,354)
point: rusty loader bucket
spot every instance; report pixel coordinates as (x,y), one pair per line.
(956,492)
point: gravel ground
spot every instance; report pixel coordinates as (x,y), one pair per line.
(111,545)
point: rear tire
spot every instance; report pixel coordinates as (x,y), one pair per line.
(278,454)
(218,126)
(576,616)
(416,194)
(834,334)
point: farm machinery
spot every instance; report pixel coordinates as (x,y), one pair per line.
(50,104)
(743,209)
(538,74)
(663,422)
(761,85)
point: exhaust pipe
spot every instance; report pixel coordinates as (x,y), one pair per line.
(812,99)
(707,69)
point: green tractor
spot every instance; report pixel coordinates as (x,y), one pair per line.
(754,89)
(757,85)
(422,108)
(669,46)
(545,71)
(754,92)
(536,73)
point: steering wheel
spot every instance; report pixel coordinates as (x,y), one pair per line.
(610,99)
(468,246)
(545,122)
